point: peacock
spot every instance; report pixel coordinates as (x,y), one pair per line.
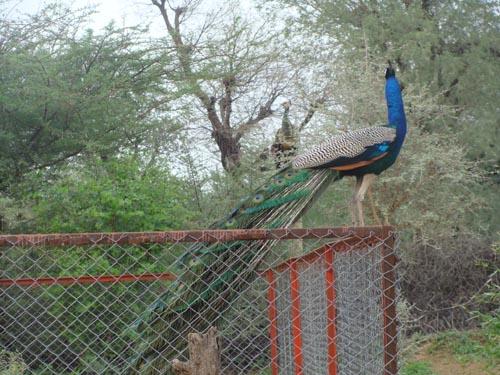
(212,275)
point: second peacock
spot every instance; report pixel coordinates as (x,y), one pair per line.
(213,275)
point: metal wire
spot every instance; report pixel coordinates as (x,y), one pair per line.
(78,303)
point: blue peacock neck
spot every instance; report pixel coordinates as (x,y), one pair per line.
(395,109)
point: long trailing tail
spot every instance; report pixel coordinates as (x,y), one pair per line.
(212,275)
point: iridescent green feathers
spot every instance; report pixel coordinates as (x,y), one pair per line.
(272,194)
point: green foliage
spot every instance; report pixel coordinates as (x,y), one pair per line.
(117,195)
(12,214)
(66,91)
(11,364)
(417,368)
(482,345)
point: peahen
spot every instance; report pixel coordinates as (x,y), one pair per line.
(212,275)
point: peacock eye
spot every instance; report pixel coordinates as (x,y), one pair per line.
(289,174)
(258,198)
(266,187)
(279,181)
(231,223)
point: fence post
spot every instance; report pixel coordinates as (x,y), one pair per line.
(204,355)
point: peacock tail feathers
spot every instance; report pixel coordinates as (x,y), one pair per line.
(212,275)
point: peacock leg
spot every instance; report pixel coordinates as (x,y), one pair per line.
(354,202)
(366,181)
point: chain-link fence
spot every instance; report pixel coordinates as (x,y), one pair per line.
(285,301)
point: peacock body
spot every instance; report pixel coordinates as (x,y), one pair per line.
(214,274)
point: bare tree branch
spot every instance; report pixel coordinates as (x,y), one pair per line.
(231,66)
(264,112)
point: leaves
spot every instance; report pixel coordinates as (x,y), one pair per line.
(113,196)
(74,94)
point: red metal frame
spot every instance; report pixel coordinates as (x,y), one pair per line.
(346,238)
(346,241)
(331,312)
(273,319)
(71,280)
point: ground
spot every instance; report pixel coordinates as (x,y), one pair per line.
(444,362)
(457,353)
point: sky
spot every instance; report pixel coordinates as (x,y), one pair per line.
(123,12)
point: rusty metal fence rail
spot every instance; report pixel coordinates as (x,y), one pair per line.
(318,301)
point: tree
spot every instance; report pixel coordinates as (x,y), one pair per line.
(66,92)
(233,68)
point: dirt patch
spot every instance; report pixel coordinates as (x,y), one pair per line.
(445,363)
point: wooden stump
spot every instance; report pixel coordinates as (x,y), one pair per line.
(204,355)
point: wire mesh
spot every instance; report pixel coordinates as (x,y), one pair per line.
(103,303)
(360,317)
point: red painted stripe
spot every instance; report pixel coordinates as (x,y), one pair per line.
(273,318)
(70,280)
(331,313)
(296,323)
(389,308)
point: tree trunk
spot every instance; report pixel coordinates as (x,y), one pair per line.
(230,149)
(226,135)
(204,355)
